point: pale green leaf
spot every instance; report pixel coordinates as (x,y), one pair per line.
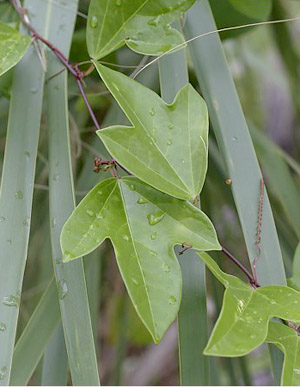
(167,145)
(13,46)
(156,40)
(143,225)
(288,341)
(257,9)
(112,22)
(294,281)
(243,322)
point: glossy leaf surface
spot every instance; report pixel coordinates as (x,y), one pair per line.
(112,23)
(13,46)
(143,225)
(167,145)
(243,322)
(288,341)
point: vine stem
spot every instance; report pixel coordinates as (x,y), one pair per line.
(73,69)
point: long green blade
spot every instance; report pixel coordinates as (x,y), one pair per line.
(192,318)
(70,278)
(17,183)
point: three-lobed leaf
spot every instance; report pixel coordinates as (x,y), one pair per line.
(167,145)
(112,23)
(243,322)
(143,225)
(287,339)
(13,46)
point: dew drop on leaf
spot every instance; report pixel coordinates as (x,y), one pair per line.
(152,112)
(142,201)
(169,142)
(155,218)
(26,222)
(19,195)
(296,371)
(90,212)
(11,300)
(99,192)
(118,2)
(3,372)
(172,300)
(136,282)
(100,216)
(132,187)
(2,219)
(154,236)
(182,161)
(166,268)
(171,126)
(94,21)
(62,289)
(27,154)
(53,222)
(125,237)
(2,327)
(153,253)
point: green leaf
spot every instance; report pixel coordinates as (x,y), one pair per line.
(112,22)
(156,40)
(257,9)
(243,322)
(167,145)
(143,225)
(13,46)
(294,281)
(288,341)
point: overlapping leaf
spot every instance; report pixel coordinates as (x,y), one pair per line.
(143,225)
(13,46)
(257,9)
(167,145)
(288,341)
(243,322)
(112,23)
(294,281)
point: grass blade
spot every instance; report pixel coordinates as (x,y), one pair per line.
(17,184)
(70,278)
(192,318)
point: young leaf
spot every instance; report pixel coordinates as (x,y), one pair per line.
(286,339)
(143,225)
(294,281)
(243,322)
(13,46)
(112,23)
(257,9)
(167,145)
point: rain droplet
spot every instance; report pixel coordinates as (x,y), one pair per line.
(166,268)
(26,222)
(9,241)
(169,142)
(136,282)
(55,177)
(62,289)
(90,212)
(34,90)
(153,253)
(126,238)
(94,21)
(58,261)
(273,302)
(296,371)
(182,161)
(19,195)
(132,187)
(152,112)
(2,327)
(27,154)
(153,219)
(234,138)
(171,126)
(2,218)
(11,301)
(3,372)
(172,300)
(53,222)
(118,2)
(252,336)
(99,192)
(99,216)
(142,201)
(154,236)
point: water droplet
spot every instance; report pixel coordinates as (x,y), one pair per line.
(234,138)
(182,161)
(169,142)
(154,236)
(252,336)
(126,238)
(55,177)
(136,282)
(153,219)
(27,154)
(152,112)
(132,187)
(166,268)
(142,201)
(90,212)
(53,222)
(94,21)
(118,2)
(2,327)
(58,261)
(2,218)
(273,302)
(296,371)
(11,301)
(9,241)
(19,195)
(172,300)
(62,289)
(3,372)
(99,192)
(26,222)
(171,126)
(99,216)
(153,253)
(34,90)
